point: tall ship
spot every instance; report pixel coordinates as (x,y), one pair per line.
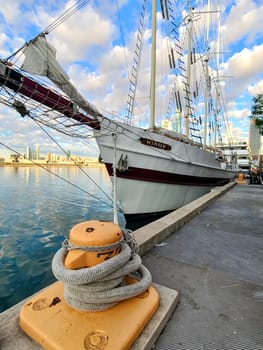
(154,169)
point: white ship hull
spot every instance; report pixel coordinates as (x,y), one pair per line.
(142,197)
(156,173)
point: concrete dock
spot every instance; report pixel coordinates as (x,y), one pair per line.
(216,264)
(211,251)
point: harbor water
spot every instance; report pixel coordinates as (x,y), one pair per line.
(38,208)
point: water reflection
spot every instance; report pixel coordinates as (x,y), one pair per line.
(37,211)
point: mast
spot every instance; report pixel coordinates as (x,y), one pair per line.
(217,80)
(207,83)
(189,61)
(206,97)
(153,66)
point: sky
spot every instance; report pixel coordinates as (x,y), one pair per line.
(95,46)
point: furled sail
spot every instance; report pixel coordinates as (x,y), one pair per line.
(40,59)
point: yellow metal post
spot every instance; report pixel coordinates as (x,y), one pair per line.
(55,325)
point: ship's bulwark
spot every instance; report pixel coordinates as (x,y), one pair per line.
(155,179)
(167,178)
(177,189)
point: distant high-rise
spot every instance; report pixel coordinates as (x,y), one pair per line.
(49,157)
(28,153)
(255,140)
(255,144)
(37,152)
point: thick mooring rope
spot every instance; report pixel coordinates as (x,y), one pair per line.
(104,285)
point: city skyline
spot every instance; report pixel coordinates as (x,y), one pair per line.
(34,153)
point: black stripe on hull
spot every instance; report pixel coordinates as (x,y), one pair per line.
(140,174)
(135,221)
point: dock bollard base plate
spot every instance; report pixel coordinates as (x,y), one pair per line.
(48,319)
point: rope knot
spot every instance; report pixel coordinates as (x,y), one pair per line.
(130,240)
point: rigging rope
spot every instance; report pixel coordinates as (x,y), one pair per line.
(41,108)
(136,65)
(79,4)
(60,177)
(78,165)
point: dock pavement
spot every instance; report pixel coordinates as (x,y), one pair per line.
(211,252)
(215,261)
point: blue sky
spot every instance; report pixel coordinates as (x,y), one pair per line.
(97,56)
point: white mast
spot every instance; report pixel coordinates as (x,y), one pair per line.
(153,66)
(217,79)
(189,61)
(206,96)
(207,82)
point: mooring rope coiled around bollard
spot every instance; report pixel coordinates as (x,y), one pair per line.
(102,286)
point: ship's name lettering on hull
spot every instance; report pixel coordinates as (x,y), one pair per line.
(156,144)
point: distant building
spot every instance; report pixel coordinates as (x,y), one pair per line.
(37,152)
(14,158)
(48,157)
(236,153)
(28,153)
(54,158)
(255,144)
(173,123)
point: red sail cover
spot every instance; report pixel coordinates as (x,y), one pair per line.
(30,88)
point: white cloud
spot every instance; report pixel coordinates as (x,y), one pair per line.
(245,68)
(79,34)
(239,114)
(243,22)
(17,133)
(256,88)
(10,10)
(247,62)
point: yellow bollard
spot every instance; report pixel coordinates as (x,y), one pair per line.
(241,177)
(50,321)
(92,234)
